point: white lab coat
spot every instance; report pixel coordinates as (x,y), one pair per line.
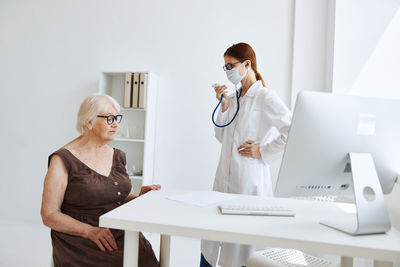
(264,118)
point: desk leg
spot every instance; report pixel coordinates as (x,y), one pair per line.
(131,249)
(382,264)
(346,262)
(165,250)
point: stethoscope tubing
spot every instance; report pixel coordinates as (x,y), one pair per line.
(237,109)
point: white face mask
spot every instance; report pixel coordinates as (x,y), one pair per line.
(234,76)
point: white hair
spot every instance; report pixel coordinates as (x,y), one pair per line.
(92,106)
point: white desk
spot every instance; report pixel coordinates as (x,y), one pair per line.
(153,213)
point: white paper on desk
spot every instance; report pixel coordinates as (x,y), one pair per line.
(202,198)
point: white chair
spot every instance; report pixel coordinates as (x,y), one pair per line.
(280,257)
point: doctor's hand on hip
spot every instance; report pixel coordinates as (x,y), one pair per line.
(250,149)
(219,90)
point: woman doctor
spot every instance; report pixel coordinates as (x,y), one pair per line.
(254,139)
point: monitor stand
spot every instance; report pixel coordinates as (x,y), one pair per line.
(372,216)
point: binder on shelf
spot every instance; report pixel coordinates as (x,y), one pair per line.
(128,90)
(142,89)
(135,90)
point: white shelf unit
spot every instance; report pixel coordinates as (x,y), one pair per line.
(138,141)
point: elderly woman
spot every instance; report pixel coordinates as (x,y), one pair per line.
(85,179)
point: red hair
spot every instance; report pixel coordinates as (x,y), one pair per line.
(242,52)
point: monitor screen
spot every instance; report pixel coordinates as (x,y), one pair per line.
(325,129)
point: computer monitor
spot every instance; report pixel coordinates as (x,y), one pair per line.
(325,129)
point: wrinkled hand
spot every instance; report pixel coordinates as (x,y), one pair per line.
(103,238)
(250,150)
(149,188)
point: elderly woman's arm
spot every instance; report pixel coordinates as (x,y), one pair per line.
(55,184)
(143,190)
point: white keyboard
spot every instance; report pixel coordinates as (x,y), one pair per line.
(263,210)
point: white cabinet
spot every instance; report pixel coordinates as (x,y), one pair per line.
(136,133)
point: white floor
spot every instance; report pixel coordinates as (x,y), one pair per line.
(29,244)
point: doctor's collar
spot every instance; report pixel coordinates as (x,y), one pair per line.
(253,88)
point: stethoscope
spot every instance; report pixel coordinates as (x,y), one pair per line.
(238,94)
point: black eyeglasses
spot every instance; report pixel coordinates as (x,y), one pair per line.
(230,66)
(112,118)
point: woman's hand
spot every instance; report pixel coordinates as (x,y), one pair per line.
(149,188)
(220,91)
(103,238)
(250,150)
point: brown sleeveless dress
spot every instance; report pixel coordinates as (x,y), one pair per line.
(89,195)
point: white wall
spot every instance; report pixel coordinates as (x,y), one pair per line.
(359,27)
(380,75)
(312,49)
(52,53)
